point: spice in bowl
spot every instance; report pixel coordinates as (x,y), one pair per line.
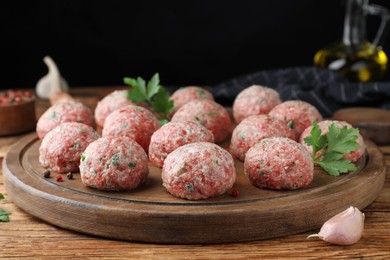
(17,112)
(12,97)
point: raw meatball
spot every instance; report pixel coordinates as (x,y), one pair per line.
(298,114)
(114,163)
(254,100)
(279,163)
(61,148)
(109,103)
(136,122)
(61,113)
(173,135)
(208,113)
(324,125)
(198,171)
(255,128)
(184,95)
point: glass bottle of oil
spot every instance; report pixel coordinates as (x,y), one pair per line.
(355,57)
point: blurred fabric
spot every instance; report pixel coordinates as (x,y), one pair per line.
(322,88)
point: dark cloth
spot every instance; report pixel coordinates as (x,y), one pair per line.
(324,89)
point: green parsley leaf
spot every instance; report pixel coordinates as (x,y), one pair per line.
(4,218)
(161,103)
(132,165)
(190,186)
(115,159)
(342,140)
(130,81)
(332,156)
(201,92)
(3,213)
(138,92)
(337,167)
(53,115)
(75,145)
(329,148)
(141,85)
(315,139)
(153,86)
(291,124)
(152,93)
(163,121)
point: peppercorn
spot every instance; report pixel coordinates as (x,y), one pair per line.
(234,192)
(69,175)
(46,174)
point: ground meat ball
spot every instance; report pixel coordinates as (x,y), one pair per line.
(173,135)
(255,128)
(254,100)
(136,122)
(208,113)
(198,171)
(61,113)
(184,95)
(298,114)
(61,148)
(324,125)
(114,163)
(109,103)
(279,163)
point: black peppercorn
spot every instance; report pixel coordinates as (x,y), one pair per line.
(69,175)
(46,174)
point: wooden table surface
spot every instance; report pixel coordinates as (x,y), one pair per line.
(25,236)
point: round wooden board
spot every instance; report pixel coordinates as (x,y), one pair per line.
(150,214)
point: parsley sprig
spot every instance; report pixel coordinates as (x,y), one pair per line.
(3,213)
(152,93)
(329,148)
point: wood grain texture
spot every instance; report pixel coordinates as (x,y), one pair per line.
(150,214)
(28,237)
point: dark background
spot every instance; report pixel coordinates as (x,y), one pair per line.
(97,43)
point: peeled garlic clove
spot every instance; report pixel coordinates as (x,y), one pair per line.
(52,83)
(346,228)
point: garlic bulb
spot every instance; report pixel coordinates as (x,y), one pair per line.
(52,83)
(346,228)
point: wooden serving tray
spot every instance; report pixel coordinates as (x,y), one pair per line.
(150,214)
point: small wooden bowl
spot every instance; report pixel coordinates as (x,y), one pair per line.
(17,118)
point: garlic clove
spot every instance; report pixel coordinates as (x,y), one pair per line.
(61,97)
(346,228)
(52,83)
